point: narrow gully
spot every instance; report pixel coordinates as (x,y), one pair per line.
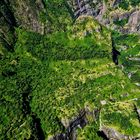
(37,132)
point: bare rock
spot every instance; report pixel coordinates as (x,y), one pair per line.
(27,14)
(138,110)
(65,122)
(71,133)
(112,134)
(100,10)
(7,25)
(134,21)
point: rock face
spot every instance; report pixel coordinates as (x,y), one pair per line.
(79,121)
(15,13)
(7,24)
(80,7)
(110,133)
(110,13)
(27,14)
(134,21)
(85,7)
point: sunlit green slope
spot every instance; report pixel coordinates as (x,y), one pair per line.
(66,72)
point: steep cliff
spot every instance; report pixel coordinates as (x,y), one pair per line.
(27,14)
(7,25)
(120,15)
(69,70)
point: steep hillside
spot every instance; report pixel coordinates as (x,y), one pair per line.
(65,83)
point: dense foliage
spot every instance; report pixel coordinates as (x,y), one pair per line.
(64,71)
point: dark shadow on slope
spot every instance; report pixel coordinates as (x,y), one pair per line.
(26,101)
(68,53)
(115,52)
(37,132)
(101,134)
(7,13)
(8,73)
(7,25)
(136,110)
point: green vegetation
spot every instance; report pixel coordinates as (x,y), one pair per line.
(121,22)
(135,2)
(122,117)
(124,4)
(58,17)
(129,45)
(65,71)
(89,132)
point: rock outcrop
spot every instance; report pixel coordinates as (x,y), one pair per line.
(134,21)
(79,121)
(27,14)
(18,13)
(110,133)
(7,25)
(109,13)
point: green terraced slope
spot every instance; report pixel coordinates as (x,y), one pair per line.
(64,85)
(63,73)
